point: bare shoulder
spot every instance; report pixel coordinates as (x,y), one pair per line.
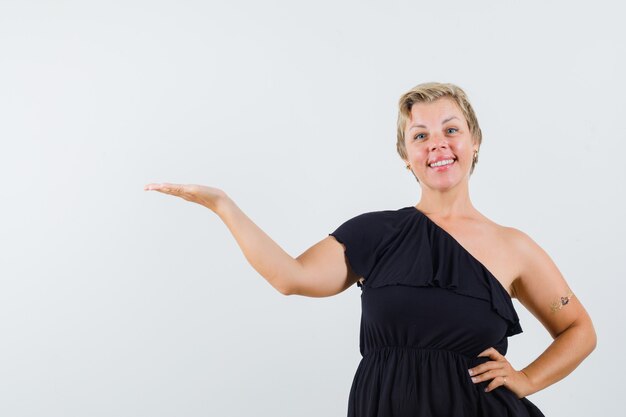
(497,230)
(508,233)
(508,252)
(523,251)
(519,241)
(527,253)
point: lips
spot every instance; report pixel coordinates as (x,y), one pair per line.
(450,158)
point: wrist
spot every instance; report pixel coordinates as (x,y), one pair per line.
(222,205)
(529,386)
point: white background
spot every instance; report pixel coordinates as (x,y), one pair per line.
(119,302)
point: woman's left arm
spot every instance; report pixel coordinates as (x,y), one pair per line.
(541,288)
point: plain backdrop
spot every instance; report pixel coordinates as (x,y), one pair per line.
(119,302)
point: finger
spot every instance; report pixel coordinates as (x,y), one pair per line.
(492,353)
(484,367)
(173,189)
(489,375)
(499,381)
(157,186)
(166,188)
(486,352)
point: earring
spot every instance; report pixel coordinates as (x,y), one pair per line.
(475,156)
(408,166)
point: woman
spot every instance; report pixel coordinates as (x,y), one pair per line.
(436,278)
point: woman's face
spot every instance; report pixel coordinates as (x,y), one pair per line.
(438,131)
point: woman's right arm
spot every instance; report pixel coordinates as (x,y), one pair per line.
(320,271)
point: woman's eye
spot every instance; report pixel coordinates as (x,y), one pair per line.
(420,136)
(453,128)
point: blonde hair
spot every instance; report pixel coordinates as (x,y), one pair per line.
(427,93)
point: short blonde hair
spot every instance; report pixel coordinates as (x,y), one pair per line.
(427,93)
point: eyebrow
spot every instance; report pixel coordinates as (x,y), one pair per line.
(443,122)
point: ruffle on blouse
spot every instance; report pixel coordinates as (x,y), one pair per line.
(417,252)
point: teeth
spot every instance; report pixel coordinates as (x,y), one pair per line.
(442,163)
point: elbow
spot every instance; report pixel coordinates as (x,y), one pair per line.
(590,335)
(584,336)
(284,290)
(593,339)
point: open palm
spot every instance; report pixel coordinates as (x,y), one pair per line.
(200,194)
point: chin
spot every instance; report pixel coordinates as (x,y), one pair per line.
(442,185)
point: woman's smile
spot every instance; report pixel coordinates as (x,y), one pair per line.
(442,165)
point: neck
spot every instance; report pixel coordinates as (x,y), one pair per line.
(454,202)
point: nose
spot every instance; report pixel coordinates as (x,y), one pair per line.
(439,141)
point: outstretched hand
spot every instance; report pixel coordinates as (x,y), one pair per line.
(502,373)
(200,194)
